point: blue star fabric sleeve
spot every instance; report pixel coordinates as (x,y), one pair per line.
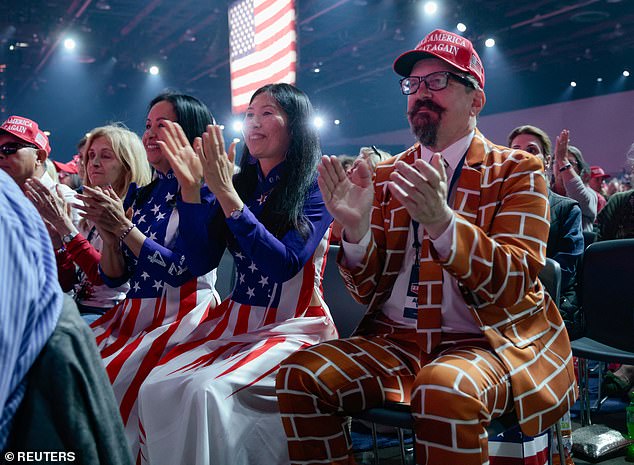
(283,258)
(169,264)
(200,235)
(163,262)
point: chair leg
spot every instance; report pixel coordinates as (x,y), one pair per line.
(601,369)
(401,442)
(375,445)
(599,372)
(582,406)
(585,392)
(551,443)
(560,444)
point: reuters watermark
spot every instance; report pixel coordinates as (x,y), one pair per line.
(39,456)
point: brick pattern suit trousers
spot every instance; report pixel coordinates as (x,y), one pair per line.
(454,393)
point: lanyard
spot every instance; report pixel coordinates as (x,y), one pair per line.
(454,179)
(456,175)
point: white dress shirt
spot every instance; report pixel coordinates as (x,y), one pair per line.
(456,316)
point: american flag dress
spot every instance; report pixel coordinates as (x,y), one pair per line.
(212,398)
(166,302)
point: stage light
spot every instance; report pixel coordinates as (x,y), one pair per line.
(316,70)
(318,122)
(461,27)
(69,43)
(490,42)
(599,79)
(573,84)
(237,126)
(430,8)
(626,73)
(337,122)
(154,70)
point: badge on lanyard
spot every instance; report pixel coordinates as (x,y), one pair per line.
(411,299)
(410,309)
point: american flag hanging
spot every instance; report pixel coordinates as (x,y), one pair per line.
(262,43)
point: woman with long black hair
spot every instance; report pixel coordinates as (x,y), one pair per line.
(212,399)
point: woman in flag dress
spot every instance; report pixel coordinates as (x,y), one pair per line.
(212,399)
(166,300)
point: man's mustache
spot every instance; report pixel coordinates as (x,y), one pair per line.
(428,104)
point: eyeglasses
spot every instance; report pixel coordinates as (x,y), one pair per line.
(12,147)
(433,81)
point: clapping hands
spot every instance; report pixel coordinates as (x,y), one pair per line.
(349,201)
(206,159)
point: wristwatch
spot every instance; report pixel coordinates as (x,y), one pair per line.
(66,238)
(236,212)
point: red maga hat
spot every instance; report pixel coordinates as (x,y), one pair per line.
(26,130)
(597,172)
(449,47)
(70,167)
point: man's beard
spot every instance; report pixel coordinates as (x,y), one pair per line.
(423,125)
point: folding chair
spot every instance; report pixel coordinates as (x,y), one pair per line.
(605,294)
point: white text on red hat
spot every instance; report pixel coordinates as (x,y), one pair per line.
(15,127)
(20,121)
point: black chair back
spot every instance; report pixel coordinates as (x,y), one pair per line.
(589,237)
(606,293)
(346,311)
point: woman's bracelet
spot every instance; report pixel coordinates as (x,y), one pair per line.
(126,232)
(565,167)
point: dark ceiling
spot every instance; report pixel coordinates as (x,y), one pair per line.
(541,46)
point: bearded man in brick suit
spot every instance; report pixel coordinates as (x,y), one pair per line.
(444,246)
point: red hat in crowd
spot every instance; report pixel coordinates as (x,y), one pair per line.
(449,47)
(26,130)
(70,167)
(597,172)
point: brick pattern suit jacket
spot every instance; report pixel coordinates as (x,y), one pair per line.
(499,247)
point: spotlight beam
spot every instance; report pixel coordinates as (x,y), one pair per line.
(52,47)
(558,12)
